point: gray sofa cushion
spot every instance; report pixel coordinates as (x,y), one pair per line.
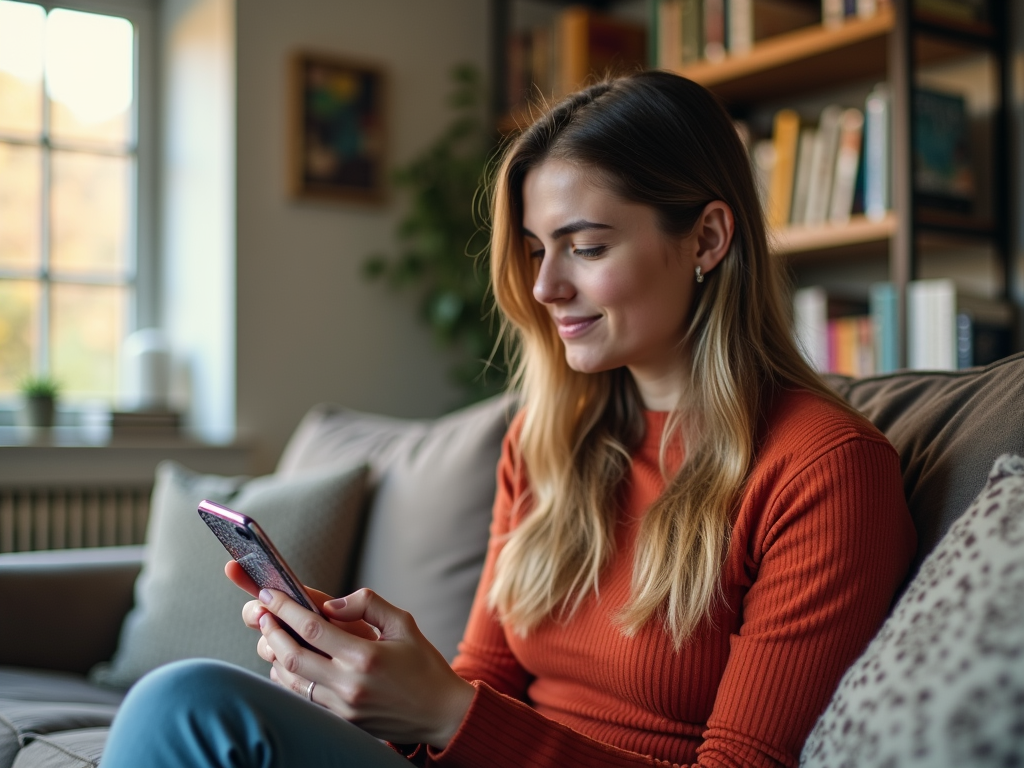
(948,428)
(21,721)
(942,683)
(184,606)
(428,521)
(80,748)
(44,685)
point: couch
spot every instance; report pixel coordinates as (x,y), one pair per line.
(418,536)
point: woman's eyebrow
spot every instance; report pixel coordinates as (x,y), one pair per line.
(571,228)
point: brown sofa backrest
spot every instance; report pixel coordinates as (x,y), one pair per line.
(949,427)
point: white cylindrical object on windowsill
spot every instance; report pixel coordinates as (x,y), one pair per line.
(147,371)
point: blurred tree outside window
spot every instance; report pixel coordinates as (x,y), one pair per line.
(68,161)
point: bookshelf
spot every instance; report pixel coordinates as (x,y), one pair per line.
(898,45)
(800,61)
(800,242)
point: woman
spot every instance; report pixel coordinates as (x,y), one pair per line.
(692,538)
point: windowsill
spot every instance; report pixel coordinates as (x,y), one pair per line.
(19,436)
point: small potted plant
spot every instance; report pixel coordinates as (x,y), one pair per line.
(40,400)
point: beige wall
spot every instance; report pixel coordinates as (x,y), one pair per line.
(309,328)
(197,209)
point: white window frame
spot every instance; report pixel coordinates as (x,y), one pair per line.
(142,276)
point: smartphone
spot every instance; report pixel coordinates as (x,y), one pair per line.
(252,549)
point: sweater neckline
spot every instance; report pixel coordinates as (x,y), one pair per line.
(655,422)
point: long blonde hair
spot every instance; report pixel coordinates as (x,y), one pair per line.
(665,142)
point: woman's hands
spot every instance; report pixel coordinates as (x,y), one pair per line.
(237,574)
(395,686)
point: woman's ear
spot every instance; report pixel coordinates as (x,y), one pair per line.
(714,229)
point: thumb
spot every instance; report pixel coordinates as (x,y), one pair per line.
(366,605)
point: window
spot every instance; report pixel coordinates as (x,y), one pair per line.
(69,203)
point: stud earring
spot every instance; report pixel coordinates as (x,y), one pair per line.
(700,277)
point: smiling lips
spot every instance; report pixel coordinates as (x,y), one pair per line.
(574,327)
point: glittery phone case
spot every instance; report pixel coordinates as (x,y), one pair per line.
(252,549)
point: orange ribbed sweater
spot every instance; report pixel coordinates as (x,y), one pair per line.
(821,541)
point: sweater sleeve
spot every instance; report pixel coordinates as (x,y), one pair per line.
(831,551)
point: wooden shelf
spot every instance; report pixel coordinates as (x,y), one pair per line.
(801,242)
(800,61)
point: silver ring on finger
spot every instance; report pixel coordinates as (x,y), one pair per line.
(309,690)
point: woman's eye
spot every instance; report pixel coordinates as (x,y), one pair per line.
(589,252)
(537,254)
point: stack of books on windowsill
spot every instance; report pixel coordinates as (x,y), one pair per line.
(145,425)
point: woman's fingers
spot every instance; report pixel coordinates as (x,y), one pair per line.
(242,580)
(287,654)
(397,687)
(367,606)
(264,651)
(316,630)
(252,611)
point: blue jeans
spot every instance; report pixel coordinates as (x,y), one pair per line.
(206,713)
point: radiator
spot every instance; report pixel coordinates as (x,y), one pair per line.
(72,517)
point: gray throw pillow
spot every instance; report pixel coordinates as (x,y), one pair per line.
(184,606)
(942,684)
(429,517)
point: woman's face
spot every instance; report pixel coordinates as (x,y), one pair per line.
(617,288)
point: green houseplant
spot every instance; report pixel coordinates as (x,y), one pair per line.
(40,400)
(442,244)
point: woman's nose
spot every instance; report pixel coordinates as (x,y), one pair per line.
(552,284)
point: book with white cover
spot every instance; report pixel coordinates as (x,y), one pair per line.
(740,17)
(851,129)
(867,8)
(810,325)
(823,165)
(877,147)
(832,13)
(931,325)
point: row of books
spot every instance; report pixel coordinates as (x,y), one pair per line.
(813,174)
(946,330)
(686,31)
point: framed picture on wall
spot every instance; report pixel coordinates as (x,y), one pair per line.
(338,131)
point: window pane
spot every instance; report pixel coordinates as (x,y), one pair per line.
(89,215)
(89,76)
(19,317)
(21,68)
(21,173)
(87,328)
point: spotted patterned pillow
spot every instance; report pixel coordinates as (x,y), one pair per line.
(942,684)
